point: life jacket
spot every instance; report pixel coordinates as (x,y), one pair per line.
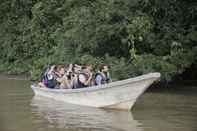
(52,83)
(105,79)
(78,83)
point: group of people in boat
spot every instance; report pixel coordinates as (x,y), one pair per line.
(73,76)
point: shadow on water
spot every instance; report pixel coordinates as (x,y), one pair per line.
(174,89)
(71,117)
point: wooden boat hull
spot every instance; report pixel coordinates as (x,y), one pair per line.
(117,95)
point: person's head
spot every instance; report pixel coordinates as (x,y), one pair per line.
(104,68)
(87,68)
(77,68)
(60,69)
(68,67)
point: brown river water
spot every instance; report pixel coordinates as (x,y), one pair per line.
(173,109)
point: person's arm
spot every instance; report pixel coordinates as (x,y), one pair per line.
(50,76)
(88,82)
(68,83)
(83,80)
(60,80)
(51,69)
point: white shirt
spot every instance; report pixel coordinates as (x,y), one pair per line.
(82,78)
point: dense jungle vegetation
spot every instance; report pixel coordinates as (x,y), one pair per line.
(132,36)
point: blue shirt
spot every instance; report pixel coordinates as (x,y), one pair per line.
(98,80)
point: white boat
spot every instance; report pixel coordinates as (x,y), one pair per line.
(116,95)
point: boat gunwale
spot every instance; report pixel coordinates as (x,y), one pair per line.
(101,87)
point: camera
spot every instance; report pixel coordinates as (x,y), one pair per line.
(69,75)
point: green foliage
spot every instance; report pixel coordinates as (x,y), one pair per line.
(133,37)
(150,63)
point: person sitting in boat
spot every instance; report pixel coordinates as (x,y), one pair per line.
(102,76)
(68,77)
(44,82)
(77,69)
(84,79)
(54,77)
(65,79)
(48,78)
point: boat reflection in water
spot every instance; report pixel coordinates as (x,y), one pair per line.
(60,115)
